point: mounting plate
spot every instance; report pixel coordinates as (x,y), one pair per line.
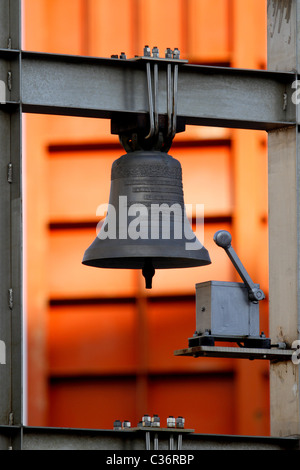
(160,430)
(159,60)
(273,355)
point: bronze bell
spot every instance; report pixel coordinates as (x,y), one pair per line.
(146,226)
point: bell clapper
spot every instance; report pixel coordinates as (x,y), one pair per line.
(148,273)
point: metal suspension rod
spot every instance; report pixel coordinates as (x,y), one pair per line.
(156,99)
(169,107)
(175,89)
(150,99)
(172,99)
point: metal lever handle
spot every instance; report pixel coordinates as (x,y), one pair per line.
(223,239)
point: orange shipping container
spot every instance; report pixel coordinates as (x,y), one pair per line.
(99,346)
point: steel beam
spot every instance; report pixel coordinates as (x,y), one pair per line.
(10,21)
(284,225)
(10,217)
(106,88)
(44,438)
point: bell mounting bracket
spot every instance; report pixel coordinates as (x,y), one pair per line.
(154,131)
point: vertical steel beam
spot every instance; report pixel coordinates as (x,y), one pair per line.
(10,219)
(284,223)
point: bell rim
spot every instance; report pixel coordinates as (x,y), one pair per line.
(138,262)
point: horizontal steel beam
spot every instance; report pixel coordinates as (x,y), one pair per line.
(109,88)
(44,438)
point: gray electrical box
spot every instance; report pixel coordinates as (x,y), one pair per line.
(223,309)
(229,311)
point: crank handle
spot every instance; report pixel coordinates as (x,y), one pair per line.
(223,239)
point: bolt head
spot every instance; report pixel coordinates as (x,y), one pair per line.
(176,53)
(117,424)
(171,422)
(155,421)
(146,420)
(168,53)
(180,422)
(147,51)
(155,52)
(126,424)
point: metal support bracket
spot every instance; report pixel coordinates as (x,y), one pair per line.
(273,355)
(155,131)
